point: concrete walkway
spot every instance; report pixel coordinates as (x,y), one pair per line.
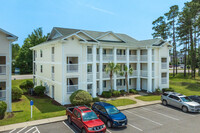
(62,118)
(17,77)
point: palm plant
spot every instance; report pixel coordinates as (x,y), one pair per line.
(112,68)
(125,73)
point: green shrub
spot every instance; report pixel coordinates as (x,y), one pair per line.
(80,97)
(16,93)
(133,91)
(158,91)
(167,89)
(39,90)
(116,93)
(26,85)
(122,92)
(3,107)
(106,94)
(96,99)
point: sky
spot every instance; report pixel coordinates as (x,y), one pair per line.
(132,17)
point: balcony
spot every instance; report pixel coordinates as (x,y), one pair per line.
(72,68)
(71,88)
(89,77)
(153,74)
(121,57)
(106,75)
(120,76)
(108,57)
(164,80)
(143,57)
(98,75)
(52,58)
(2,69)
(121,87)
(2,95)
(132,57)
(135,73)
(164,65)
(153,58)
(89,57)
(144,73)
(98,57)
(53,76)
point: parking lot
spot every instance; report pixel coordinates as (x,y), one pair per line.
(148,119)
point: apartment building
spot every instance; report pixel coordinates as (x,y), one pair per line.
(6,40)
(73,59)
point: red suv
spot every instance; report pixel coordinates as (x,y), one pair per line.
(85,119)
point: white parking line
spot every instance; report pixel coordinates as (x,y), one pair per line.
(12,130)
(21,129)
(108,131)
(29,130)
(68,126)
(160,114)
(144,118)
(135,127)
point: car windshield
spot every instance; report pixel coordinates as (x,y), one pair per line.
(186,99)
(112,110)
(89,116)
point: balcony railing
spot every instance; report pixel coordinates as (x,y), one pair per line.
(107,57)
(153,73)
(164,65)
(135,73)
(52,58)
(98,75)
(144,73)
(89,77)
(2,95)
(2,69)
(120,76)
(71,68)
(123,87)
(133,57)
(143,57)
(98,57)
(153,58)
(53,76)
(71,88)
(89,57)
(121,57)
(164,80)
(106,75)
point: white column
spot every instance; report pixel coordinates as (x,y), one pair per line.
(9,91)
(138,70)
(115,61)
(168,69)
(94,71)
(100,70)
(159,70)
(127,63)
(149,64)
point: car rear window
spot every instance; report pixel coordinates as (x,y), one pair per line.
(165,94)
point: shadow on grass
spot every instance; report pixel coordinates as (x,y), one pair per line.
(44,104)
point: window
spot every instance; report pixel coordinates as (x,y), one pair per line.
(40,53)
(52,50)
(164,75)
(52,69)
(129,81)
(41,69)
(2,60)
(165,94)
(124,82)
(164,59)
(75,113)
(78,115)
(119,82)
(104,84)
(89,51)
(3,85)
(104,51)
(97,68)
(97,51)
(89,68)
(104,67)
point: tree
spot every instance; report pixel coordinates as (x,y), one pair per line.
(15,50)
(127,72)
(24,60)
(160,28)
(112,68)
(172,19)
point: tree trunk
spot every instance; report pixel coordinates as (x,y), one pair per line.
(111,81)
(192,53)
(188,55)
(126,80)
(174,50)
(185,59)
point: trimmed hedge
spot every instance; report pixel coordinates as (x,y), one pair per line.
(26,85)
(3,107)
(158,91)
(39,90)
(167,89)
(116,93)
(133,91)
(16,93)
(80,97)
(96,99)
(106,94)
(122,92)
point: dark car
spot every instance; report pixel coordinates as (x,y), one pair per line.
(195,98)
(109,114)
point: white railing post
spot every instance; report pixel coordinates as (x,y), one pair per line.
(100,70)
(149,86)
(115,61)
(94,50)
(138,70)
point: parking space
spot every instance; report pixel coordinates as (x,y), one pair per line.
(148,119)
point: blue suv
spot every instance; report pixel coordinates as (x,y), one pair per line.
(109,114)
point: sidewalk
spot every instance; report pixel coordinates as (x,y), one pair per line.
(61,118)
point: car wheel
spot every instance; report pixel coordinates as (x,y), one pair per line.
(164,102)
(185,109)
(83,131)
(69,120)
(109,125)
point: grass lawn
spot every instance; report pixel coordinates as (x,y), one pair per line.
(121,102)
(184,85)
(43,108)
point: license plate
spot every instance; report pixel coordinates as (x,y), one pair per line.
(123,124)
